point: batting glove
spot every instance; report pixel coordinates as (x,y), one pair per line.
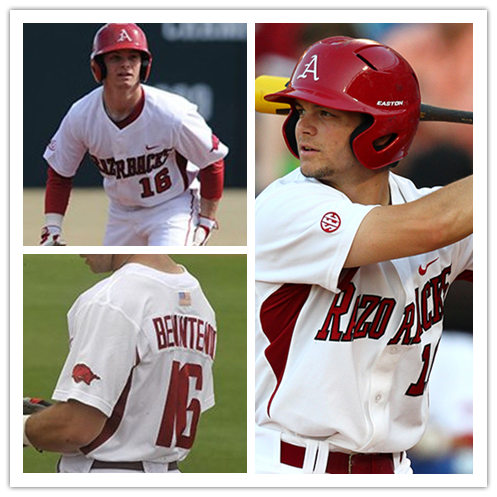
(203,230)
(51,236)
(31,405)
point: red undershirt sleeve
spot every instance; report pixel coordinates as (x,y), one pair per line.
(58,190)
(212,180)
(466,276)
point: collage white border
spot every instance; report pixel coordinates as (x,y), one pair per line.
(225,480)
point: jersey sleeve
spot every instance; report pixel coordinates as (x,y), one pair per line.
(304,234)
(67,148)
(101,357)
(462,265)
(197,142)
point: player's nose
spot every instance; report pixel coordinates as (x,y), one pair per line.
(306,124)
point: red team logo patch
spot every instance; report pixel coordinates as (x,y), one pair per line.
(215,142)
(330,222)
(81,372)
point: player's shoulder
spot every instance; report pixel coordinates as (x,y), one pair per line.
(94,97)
(93,294)
(295,189)
(136,287)
(406,188)
(137,279)
(166,102)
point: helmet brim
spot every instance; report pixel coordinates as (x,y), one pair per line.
(330,100)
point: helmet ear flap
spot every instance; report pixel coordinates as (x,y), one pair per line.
(98,69)
(367,121)
(289,132)
(145,68)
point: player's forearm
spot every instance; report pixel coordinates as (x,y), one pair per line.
(444,216)
(63,428)
(212,181)
(429,223)
(48,431)
(57,192)
(208,207)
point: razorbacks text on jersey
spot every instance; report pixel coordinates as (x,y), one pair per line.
(154,158)
(343,356)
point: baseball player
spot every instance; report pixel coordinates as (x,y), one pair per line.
(138,374)
(150,146)
(353,264)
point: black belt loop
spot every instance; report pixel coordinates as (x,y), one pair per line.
(128,465)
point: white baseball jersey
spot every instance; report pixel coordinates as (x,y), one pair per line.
(152,160)
(344,355)
(142,344)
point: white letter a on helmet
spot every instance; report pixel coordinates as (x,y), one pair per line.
(123,36)
(312,68)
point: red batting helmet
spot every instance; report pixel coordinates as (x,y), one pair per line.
(363,76)
(113,37)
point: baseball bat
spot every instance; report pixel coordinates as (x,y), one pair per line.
(265,85)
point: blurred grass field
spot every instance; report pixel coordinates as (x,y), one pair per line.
(53,282)
(86,217)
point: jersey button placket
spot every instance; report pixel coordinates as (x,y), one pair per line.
(379,391)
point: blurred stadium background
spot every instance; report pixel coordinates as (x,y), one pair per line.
(53,282)
(441,153)
(204,62)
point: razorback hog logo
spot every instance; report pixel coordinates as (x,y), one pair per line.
(81,372)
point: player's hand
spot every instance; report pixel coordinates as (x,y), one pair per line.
(204,230)
(31,405)
(51,236)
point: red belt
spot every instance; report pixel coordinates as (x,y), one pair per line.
(339,462)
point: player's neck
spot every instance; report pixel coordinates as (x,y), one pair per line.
(370,188)
(160,262)
(120,103)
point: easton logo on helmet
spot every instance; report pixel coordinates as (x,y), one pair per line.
(311,68)
(390,103)
(124,36)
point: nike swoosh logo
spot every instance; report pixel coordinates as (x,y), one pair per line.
(152,147)
(422,270)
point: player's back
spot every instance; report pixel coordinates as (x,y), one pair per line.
(156,395)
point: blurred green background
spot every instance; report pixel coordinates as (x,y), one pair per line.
(53,282)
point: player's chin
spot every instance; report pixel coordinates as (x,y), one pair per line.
(99,263)
(309,168)
(127,82)
(128,85)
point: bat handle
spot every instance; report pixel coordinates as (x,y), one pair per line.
(431,113)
